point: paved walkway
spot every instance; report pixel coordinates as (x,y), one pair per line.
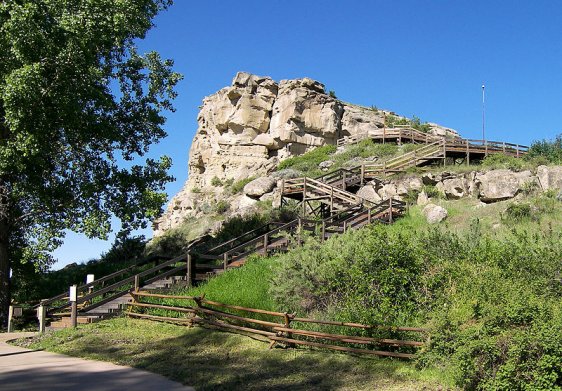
(25,369)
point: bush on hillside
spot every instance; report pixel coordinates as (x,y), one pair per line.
(493,306)
(308,161)
(550,150)
(238,186)
(499,160)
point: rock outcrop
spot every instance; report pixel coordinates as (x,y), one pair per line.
(246,129)
(434,213)
(550,178)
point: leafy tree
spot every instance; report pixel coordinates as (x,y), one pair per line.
(79,108)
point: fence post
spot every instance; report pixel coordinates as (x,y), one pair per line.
(73,307)
(189,269)
(225,260)
(299,230)
(265,243)
(331,199)
(369,215)
(323,231)
(344,184)
(287,320)
(362,174)
(137,282)
(41,316)
(390,220)
(517,150)
(304,197)
(503,147)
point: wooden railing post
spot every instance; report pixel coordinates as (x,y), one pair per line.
(137,282)
(42,317)
(362,174)
(304,197)
(299,231)
(517,150)
(331,199)
(265,243)
(503,147)
(344,184)
(467,153)
(384,129)
(390,219)
(190,277)
(369,215)
(225,260)
(323,231)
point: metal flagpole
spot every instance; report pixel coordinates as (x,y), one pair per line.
(483,114)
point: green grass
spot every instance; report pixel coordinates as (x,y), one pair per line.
(213,360)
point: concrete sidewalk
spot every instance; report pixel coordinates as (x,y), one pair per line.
(25,369)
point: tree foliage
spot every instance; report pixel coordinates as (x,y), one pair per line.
(79,108)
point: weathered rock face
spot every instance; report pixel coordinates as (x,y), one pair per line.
(247,128)
(434,213)
(497,185)
(550,177)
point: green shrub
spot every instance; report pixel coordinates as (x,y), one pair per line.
(221,207)
(238,186)
(432,191)
(499,160)
(551,150)
(332,94)
(216,181)
(196,190)
(518,212)
(308,161)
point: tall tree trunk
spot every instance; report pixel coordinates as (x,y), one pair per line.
(4,272)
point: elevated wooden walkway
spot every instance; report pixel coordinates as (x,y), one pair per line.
(452,146)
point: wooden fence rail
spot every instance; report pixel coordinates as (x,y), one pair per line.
(281,331)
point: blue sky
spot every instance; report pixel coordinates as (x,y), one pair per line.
(423,58)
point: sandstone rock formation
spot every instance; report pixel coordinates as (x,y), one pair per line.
(497,185)
(550,177)
(246,129)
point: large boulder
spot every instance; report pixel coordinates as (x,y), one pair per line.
(498,185)
(369,193)
(422,199)
(434,213)
(361,120)
(259,187)
(455,188)
(550,177)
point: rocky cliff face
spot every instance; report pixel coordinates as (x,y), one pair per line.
(246,129)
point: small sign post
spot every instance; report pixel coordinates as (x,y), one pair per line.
(13,312)
(73,307)
(89,279)
(42,315)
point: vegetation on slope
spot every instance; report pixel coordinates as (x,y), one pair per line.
(488,288)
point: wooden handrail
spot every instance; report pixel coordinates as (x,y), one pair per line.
(117,273)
